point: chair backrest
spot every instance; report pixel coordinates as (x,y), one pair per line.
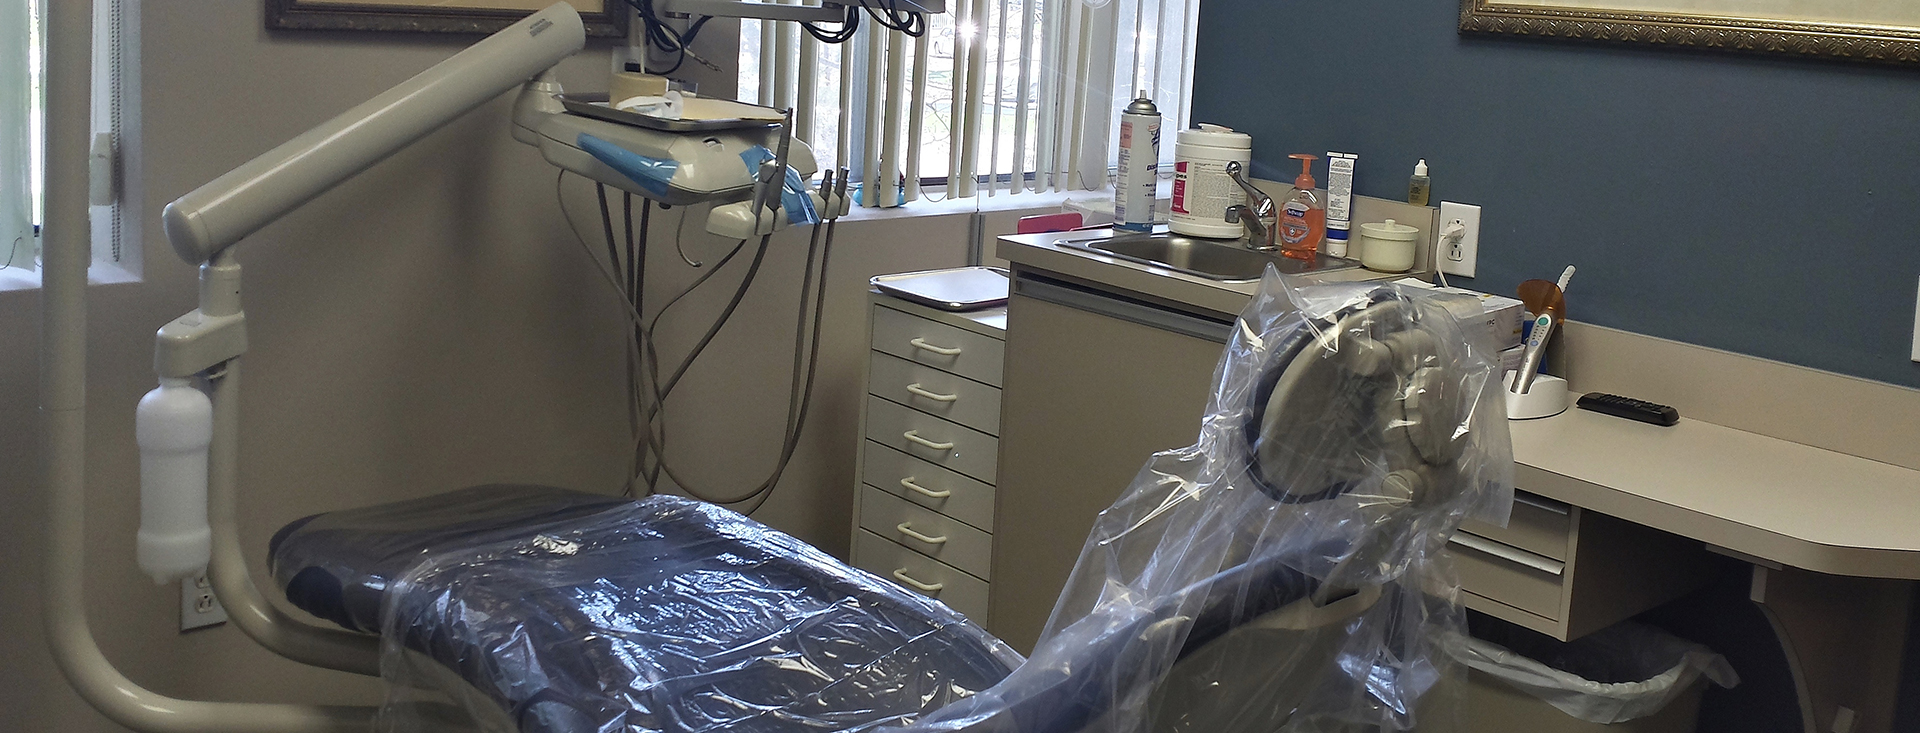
(1349,431)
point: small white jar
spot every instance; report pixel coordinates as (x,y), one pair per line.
(1202,190)
(1387,246)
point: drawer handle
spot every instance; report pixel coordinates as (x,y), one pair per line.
(907,529)
(924,491)
(902,576)
(935,396)
(914,437)
(1510,554)
(921,344)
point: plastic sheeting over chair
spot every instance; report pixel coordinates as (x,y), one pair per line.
(539,609)
(1282,574)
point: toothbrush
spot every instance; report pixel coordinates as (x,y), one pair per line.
(1548,302)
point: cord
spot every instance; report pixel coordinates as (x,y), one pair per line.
(647,416)
(660,392)
(799,400)
(650,355)
(806,392)
(849,26)
(659,34)
(906,21)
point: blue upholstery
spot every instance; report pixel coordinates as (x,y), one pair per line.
(662,614)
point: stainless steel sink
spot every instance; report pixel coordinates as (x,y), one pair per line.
(1215,259)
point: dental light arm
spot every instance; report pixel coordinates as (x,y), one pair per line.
(203,223)
(190,446)
(207,343)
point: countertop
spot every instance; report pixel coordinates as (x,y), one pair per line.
(1766,497)
(1773,499)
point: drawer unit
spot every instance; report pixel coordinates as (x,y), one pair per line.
(1568,574)
(1539,525)
(923,514)
(932,439)
(928,485)
(938,345)
(927,532)
(1513,576)
(920,574)
(935,392)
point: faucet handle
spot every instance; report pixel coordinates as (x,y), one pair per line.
(1257,215)
(1262,202)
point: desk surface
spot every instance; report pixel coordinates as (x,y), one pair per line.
(1773,499)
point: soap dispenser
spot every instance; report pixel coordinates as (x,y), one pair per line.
(1303,215)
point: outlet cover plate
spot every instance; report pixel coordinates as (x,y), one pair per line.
(1460,258)
(198,606)
(1916,325)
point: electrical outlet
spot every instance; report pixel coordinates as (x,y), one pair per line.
(198,606)
(1459,257)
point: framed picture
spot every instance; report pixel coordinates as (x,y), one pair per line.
(1886,31)
(606,18)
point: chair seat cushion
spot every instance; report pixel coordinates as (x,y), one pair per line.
(577,612)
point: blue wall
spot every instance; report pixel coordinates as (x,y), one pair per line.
(1764,205)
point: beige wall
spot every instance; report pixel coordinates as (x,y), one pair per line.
(429,325)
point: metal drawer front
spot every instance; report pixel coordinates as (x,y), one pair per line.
(925,531)
(935,392)
(1539,525)
(921,574)
(1510,575)
(938,345)
(932,439)
(929,485)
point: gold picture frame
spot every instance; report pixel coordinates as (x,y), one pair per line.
(603,18)
(1807,35)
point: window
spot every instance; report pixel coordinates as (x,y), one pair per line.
(114,218)
(20,122)
(997,97)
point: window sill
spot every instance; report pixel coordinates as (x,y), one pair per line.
(20,278)
(1045,202)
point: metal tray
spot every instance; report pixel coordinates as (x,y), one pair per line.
(595,106)
(956,289)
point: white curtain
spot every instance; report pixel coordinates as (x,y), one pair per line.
(16,226)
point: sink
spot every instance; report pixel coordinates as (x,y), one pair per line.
(1215,259)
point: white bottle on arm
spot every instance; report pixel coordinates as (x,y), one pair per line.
(173,426)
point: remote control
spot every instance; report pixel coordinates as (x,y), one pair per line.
(1629,408)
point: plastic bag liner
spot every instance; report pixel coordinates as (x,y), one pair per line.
(1285,572)
(1613,675)
(667,614)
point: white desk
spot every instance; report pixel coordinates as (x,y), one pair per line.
(1777,500)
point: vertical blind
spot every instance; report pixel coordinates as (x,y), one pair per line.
(17,69)
(999,97)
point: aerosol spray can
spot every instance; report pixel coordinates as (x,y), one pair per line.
(1139,164)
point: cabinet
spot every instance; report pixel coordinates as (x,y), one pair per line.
(924,509)
(1094,386)
(1565,571)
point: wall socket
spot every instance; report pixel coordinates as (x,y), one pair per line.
(1461,256)
(198,606)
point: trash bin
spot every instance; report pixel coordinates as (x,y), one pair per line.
(1626,678)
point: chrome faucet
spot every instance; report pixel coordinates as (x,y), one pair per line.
(1261,219)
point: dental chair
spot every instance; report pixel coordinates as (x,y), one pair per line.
(1280,574)
(1283,573)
